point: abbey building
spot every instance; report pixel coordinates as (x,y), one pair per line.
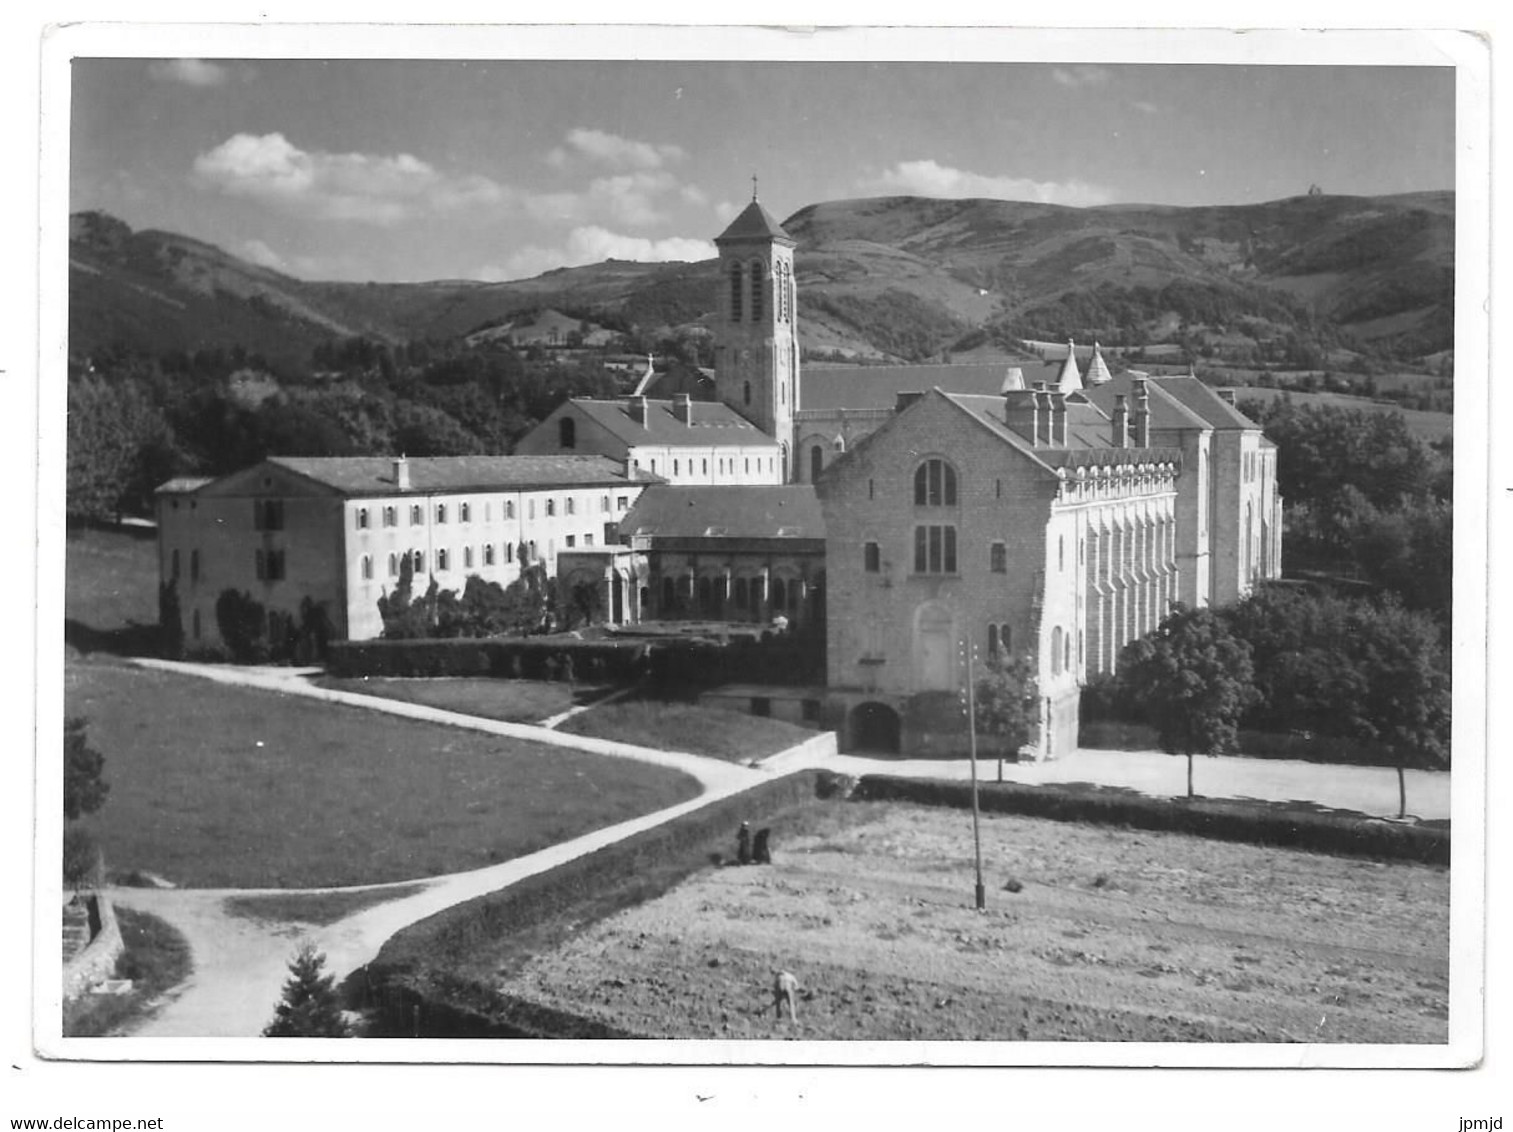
(915,516)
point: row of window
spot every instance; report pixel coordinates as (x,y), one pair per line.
(389,515)
(194,566)
(1254,464)
(486,555)
(935,552)
(723,466)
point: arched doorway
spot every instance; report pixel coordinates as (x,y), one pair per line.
(875,727)
(816,462)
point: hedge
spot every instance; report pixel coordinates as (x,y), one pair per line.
(413,969)
(676,661)
(1124,736)
(528,658)
(1336,833)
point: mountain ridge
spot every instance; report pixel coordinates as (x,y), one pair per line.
(880,278)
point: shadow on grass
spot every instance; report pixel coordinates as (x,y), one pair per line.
(133,639)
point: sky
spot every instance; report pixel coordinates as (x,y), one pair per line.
(411,170)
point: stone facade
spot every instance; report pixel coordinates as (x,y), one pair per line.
(949,528)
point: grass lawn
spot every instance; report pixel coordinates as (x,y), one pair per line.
(514,701)
(676,726)
(214,786)
(156,958)
(318,908)
(110,600)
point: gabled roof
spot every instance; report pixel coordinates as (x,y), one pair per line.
(713,424)
(374,475)
(790,511)
(828,388)
(754,223)
(1207,404)
(1167,412)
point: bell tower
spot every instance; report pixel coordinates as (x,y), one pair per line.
(756,336)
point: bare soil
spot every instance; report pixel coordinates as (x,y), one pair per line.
(1113,935)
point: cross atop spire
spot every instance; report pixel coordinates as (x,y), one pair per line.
(753,186)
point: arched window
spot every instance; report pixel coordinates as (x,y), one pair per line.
(488,554)
(420,562)
(740,593)
(669,595)
(509,508)
(465,512)
(367,566)
(779,593)
(758,286)
(735,292)
(992,641)
(935,484)
(568,505)
(441,512)
(393,565)
(467,558)
(442,557)
(567,432)
(706,597)
(746,392)
(1056,651)
(816,462)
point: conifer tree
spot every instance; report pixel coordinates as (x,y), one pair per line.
(310,1007)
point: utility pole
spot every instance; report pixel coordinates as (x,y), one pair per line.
(981,892)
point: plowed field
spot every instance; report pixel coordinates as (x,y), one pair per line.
(1114,935)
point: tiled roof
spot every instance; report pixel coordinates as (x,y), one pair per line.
(754,223)
(1166,410)
(374,475)
(877,387)
(713,423)
(790,511)
(1205,402)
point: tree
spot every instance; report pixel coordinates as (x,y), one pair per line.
(1195,679)
(243,625)
(1407,699)
(84,787)
(1008,703)
(310,1007)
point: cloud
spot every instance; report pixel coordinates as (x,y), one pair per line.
(635,200)
(1147,107)
(192,72)
(355,187)
(593,244)
(930,179)
(1084,75)
(726,211)
(256,251)
(613,150)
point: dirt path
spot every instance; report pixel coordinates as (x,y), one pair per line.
(240,964)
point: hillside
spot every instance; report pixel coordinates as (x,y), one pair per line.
(888,278)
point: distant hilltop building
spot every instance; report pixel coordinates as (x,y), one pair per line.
(910,512)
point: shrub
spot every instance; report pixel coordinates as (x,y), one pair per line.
(310,1007)
(83,865)
(84,786)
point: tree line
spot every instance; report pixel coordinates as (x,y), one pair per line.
(135,421)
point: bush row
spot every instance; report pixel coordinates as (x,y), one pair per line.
(527,658)
(417,967)
(682,662)
(1340,834)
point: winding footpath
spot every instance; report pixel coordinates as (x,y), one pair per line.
(240,964)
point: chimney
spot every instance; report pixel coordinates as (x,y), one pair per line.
(1121,421)
(907,397)
(636,407)
(1042,414)
(682,408)
(1142,415)
(1020,410)
(402,473)
(1057,428)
